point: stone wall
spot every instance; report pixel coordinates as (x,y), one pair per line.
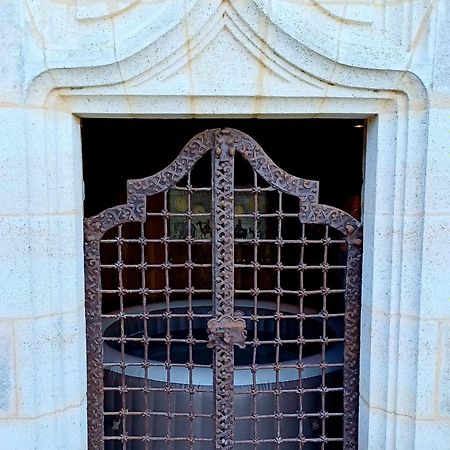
(387,61)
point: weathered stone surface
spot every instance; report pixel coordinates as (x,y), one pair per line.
(444,373)
(7,387)
(384,61)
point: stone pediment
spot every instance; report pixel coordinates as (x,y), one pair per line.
(231,48)
(224,60)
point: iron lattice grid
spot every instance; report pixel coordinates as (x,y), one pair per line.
(107,229)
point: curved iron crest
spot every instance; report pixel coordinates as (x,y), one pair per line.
(306,190)
(311,211)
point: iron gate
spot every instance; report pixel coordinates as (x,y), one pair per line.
(198,261)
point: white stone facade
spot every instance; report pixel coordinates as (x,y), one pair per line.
(387,61)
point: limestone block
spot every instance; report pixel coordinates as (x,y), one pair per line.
(13,162)
(40,162)
(63,430)
(444,373)
(363,426)
(11,87)
(381,183)
(42,271)
(435,296)
(429,353)
(377,258)
(372,428)
(441,64)
(438,160)
(403,367)
(50,360)
(7,385)
(377,344)
(54,160)
(408,266)
(389,354)
(400,435)
(15,282)
(432,435)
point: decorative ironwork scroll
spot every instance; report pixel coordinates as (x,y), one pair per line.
(94,229)
(223,276)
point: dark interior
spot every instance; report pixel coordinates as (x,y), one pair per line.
(330,151)
(115,150)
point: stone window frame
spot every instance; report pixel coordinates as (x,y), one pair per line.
(385,230)
(394,105)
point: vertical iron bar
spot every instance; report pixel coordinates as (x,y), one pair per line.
(167,314)
(324,335)
(146,335)
(351,337)
(223,283)
(255,310)
(279,291)
(94,341)
(300,331)
(189,265)
(122,339)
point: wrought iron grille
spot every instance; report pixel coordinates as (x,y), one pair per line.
(239,253)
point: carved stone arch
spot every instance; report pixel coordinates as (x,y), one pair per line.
(274,43)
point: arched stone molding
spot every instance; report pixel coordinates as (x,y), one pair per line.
(287,76)
(380,34)
(377,34)
(252,28)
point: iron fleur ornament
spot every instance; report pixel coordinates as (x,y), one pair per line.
(227,330)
